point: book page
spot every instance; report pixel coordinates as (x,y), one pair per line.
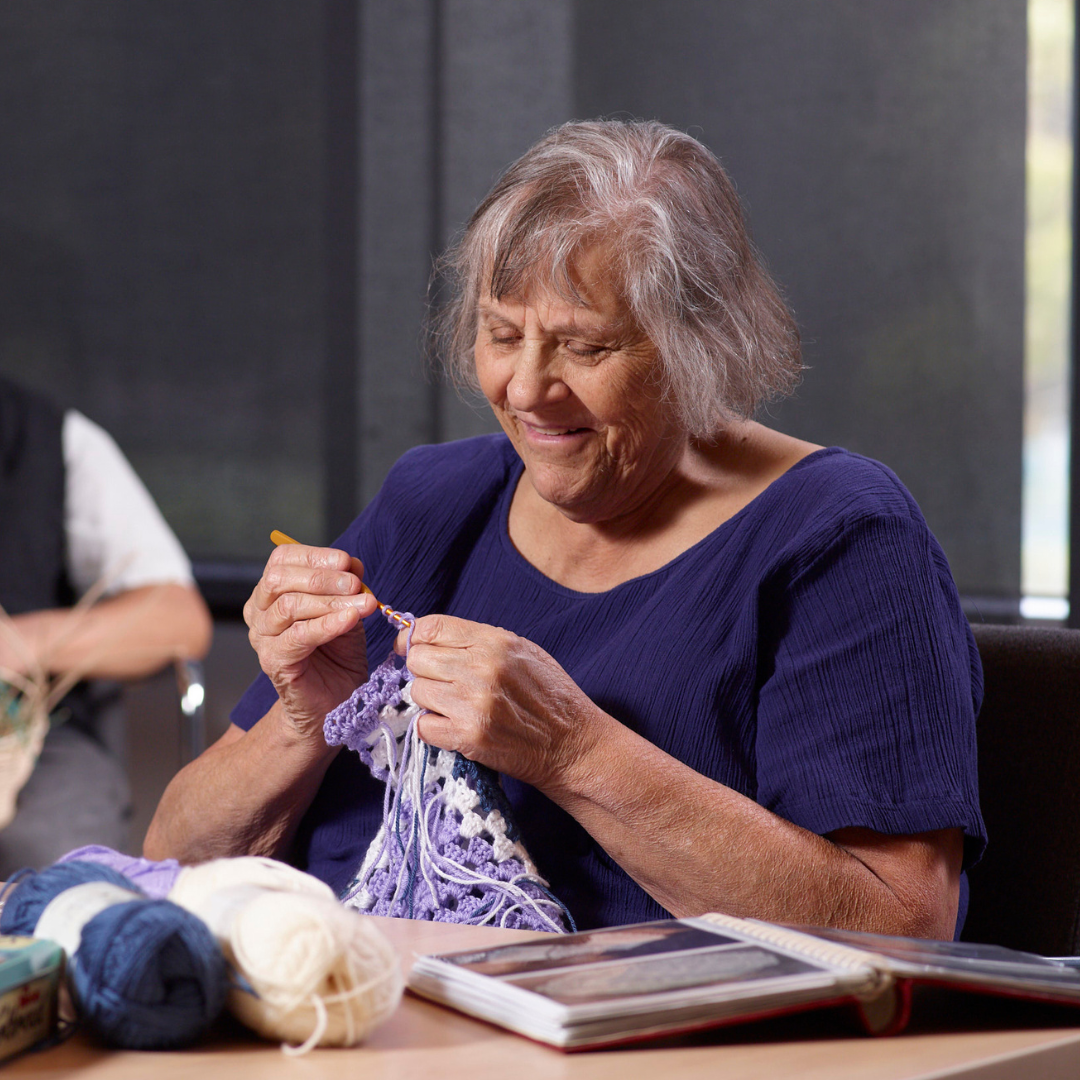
(971,960)
(590,947)
(603,986)
(618,964)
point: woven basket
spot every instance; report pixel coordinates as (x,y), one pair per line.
(19,751)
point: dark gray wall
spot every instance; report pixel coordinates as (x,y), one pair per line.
(451,93)
(880,148)
(161,247)
(217,221)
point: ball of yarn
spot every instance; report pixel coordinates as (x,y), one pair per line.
(195,885)
(323,974)
(319,974)
(155,878)
(144,974)
(31,894)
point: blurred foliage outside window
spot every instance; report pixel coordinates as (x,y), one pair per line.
(1045,552)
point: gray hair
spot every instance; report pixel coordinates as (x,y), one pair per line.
(680,255)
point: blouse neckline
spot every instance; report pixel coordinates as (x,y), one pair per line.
(517,470)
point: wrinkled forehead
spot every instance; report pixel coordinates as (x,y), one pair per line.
(583,277)
(585,296)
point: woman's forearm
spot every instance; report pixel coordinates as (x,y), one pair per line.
(696,846)
(247,793)
(244,796)
(691,843)
(121,637)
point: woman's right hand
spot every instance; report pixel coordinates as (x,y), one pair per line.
(304,622)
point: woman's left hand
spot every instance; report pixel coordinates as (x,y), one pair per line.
(693,844)
(499,699)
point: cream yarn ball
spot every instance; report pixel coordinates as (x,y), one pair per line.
(319,974)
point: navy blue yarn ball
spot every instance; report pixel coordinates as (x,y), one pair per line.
(29,898)
(147,974)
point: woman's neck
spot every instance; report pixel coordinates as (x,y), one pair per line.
(708,485)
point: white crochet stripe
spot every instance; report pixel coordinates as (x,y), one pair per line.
(456,792)
(412,773)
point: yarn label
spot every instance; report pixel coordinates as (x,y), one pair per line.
(65,915)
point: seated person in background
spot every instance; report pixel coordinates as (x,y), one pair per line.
(718,668)
(75,512)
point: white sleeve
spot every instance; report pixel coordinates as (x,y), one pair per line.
(113,526)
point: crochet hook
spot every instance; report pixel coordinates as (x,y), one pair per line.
(279,538)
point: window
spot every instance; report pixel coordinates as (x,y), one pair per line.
(1045,551)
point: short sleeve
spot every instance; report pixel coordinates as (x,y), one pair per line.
(867,716)
(114,529)
(256,702)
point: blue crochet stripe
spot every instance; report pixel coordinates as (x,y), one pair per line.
(485,782)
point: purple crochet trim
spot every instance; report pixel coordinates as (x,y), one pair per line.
(353,723)
(448,849)
(154,878)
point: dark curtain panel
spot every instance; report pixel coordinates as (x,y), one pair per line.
(880,148)
(161,245)
(217,224)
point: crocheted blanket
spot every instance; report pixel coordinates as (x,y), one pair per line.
(448,849)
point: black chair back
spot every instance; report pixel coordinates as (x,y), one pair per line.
(1025,893)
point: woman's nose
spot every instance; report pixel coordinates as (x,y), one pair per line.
(535,380)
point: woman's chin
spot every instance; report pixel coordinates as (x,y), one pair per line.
(583,505)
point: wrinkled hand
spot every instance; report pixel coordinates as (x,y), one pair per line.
(498,699)
(304,621)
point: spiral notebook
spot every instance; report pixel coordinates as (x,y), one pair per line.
(629,983)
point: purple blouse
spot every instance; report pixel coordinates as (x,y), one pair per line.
(810,653)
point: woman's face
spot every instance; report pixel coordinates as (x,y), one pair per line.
(575,388)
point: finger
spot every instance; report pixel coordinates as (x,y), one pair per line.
(284,577)
(441,664)
(301,639)
(466,706)
(425,693)
(306,555)
(449,733)
(319,559)
(295,607)
(444,630)
(439,731)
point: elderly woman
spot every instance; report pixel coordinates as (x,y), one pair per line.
(717,667)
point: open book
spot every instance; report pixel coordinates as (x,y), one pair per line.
(638,982)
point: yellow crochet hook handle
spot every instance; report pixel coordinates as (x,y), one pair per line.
(279,538)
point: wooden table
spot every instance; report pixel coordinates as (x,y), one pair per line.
(423,1041)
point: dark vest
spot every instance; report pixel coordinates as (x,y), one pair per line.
(32,544)
(33,575)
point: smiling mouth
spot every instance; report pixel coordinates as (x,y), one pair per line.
(553,432)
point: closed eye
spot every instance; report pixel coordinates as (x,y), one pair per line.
(585,350)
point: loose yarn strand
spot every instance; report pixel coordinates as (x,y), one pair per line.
(432,861)
(321,1022)
(447,848)
(452,872)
